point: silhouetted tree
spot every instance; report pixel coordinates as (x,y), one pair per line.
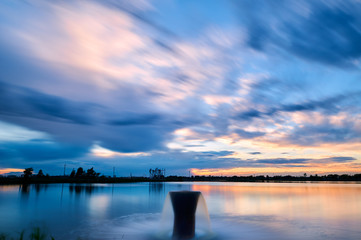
(40,173)
(28,172)
(72,174)
(91,173)
(79,172)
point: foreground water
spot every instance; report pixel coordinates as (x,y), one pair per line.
(133,211)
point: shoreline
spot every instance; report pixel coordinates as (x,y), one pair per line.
(90,180)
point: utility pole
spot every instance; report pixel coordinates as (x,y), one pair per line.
(64,168)
(113,172)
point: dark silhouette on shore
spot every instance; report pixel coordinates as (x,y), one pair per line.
(156,174)
(28,172)
(91,176)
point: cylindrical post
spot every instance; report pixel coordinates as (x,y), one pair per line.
(184,207)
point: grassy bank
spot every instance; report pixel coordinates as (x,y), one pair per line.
(36,234)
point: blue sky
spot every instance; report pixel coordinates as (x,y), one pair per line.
(211,87)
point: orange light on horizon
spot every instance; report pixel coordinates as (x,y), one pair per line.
(311,169)
(281,198)
(9,170)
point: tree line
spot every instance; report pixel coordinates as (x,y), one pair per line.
(262,178)
(29,172)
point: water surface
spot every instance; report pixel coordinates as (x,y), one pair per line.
(133,211)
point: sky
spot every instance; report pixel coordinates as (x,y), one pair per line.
(194,87)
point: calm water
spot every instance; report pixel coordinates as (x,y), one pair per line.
(237,210)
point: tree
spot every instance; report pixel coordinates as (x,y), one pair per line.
(72,174)
(79,172)
(91,173)
(28,172)
(40,173)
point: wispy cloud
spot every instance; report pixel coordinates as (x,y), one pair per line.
(318,31)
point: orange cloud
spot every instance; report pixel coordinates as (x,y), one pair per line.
(9,170)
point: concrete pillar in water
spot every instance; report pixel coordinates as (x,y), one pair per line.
(184,207)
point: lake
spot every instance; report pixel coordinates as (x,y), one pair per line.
(133,210)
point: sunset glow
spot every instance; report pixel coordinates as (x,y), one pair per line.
(10,170)
(230,88)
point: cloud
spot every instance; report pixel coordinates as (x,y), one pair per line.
(11,171)
(194,145)
(315,129)
(81,123)
(247,134)
(19,101)
(338,159)
(309,135)
(294,162)
(334,39)
(219,159)
(283,161)
(214,154)
(318,31)
(296,166)
(40,151)
(114,58)
(106,153)
(214,161)
(328,105)
(254,153)
(139,119)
